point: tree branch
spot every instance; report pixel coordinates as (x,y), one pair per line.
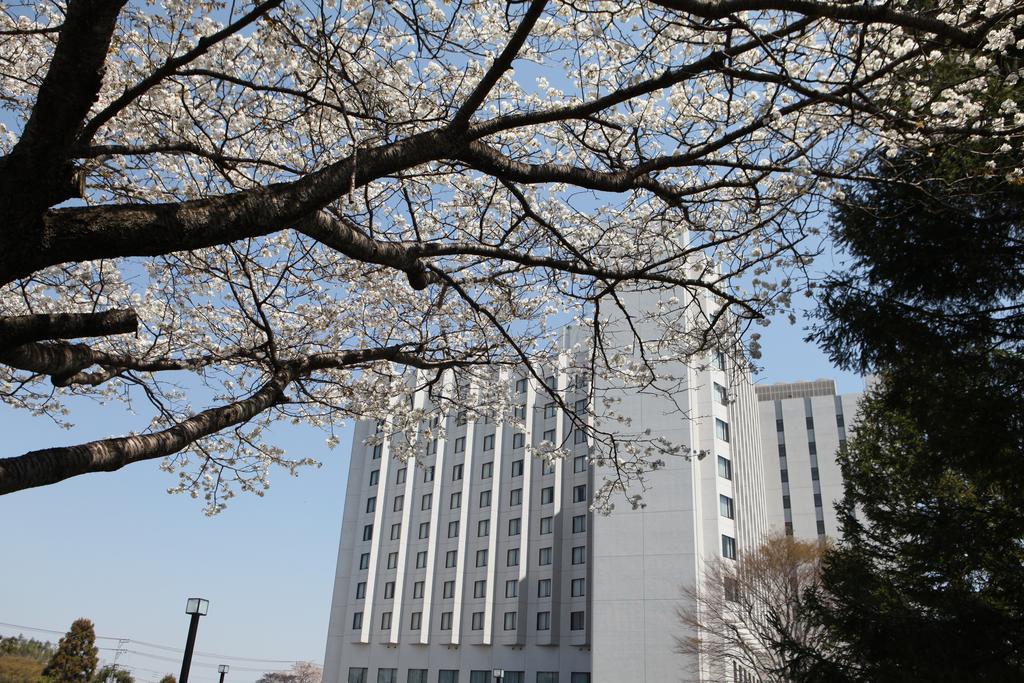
(16,330)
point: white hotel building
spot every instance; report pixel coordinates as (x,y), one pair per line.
(479,558)
(803,424)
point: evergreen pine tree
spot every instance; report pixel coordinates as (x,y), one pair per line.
(75,660)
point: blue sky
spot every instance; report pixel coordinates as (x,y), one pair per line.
(117,549)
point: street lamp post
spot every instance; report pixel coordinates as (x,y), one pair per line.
(498,675)
(223,669)
(196,607)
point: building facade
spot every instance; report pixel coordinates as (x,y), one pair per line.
(803,424)
(479,557)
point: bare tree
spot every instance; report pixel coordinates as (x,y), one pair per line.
(229,218)
(749,610)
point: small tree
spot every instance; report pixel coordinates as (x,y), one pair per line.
(75,660)
(301,672)
(111,674)
(168,679)
(750,610)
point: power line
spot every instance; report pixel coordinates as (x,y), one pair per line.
(160,647)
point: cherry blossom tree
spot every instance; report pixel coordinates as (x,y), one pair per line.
(282,210)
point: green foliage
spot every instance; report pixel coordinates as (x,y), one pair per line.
(75,660)
(112,674)
(927,583)
(20,669)
(20,646)
(168,679)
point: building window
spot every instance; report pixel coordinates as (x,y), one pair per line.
(778,424)
(485,498)
(786,501)
(364,561)
(576,621)
(543,624)
(817,500)
(549,410)
(453,529)
(517,468)
(481,558)
(456,500)
(447,676)
(579,677)
(387,675)
(821,527)
(515,677)
(462,417)
(548,467)
(428,473)
(782,450)
(721,394)
(396,531)
(518,441)
(389,590)
(512,588)
(579,493)
(367,532)
(519,412)
(732,589)
(812,448)
(357,674)
(483,528)
(579,524)
(722,430)
(385,621)
(400,476)
(810,422)
(579,436)
(724,468)
(514,526)
(489,442)
(417,590)
(414,623)
(789,528)
(374,477)
(521,386)
(426,501)
(549,436)
(839,421)
(399,503)
(718,360)
(725,506)
(446,622)
(545,525)
(371,503)
(579,464)
(357,620)
(579,554)
(421,559)
(450,558)
(424,530)
(510,621)
(549,381)
(460,446)
(479,588)
(578,588)
(784,475)
(814,474)
(477,624)
(487,470)
(378,450)
(360,590)
(457,472)
(392,560)
(448,589)
(728,547)
(515,497)
(420,675)
(512,559)
(544,556)
(547,495)
(544,588)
